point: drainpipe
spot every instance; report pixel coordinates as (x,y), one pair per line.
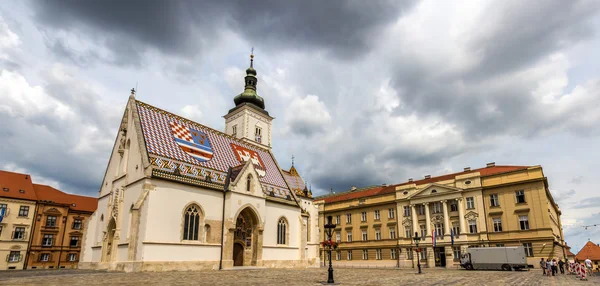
(227,181)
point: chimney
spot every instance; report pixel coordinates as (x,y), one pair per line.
(353,188)
(467,169)
(427,176)
(492,164)
(384,185)
(410,180)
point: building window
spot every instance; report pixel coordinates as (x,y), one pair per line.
(454,206)
(338,255)
(281,231)
(74,241)
(47,240)
(258,134)
(14,256)
(520,195)
(377,215)
(72,257)
(528,249)
(494,200)
(349,236)
(408,231)
(497,224)
(338,237)
(392,233)
(378,234)
(423,253)
(337,219)
(77,224)
(409,253)
(191,223)
(393,253)
(348,218)
(439,230)
(378,254)
(406,211)
(234,131)
(421,209)
(365,254)
(19,233)
(423,230)
(24,211)
(364,235)
(455,228)
(437,208)
(470,203)
(499,244)
(524,222)
(472,226)
(391,213)
(45,257)
(50,221)
(456,252)
(349,255)
(363,216)
(3,207)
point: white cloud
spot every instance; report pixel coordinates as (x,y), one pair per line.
(192,112)
(8,40)
(307,116)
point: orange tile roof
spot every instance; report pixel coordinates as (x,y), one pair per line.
(16,186)
(590,250)
(486,171)
(75,202)
(569,253)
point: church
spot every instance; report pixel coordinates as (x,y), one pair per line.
(178,195)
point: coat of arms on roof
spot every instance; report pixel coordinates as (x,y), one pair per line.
(193,142)
(245,154)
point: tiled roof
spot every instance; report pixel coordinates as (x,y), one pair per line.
(569,253)
(16,186)
(75,202)
(225,151)
(295,181)
(487,171)
(590,250)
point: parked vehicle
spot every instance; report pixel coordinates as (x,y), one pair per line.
(494,258)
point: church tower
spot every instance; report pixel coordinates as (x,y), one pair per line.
(249,120)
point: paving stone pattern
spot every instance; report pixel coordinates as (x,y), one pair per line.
(289,277)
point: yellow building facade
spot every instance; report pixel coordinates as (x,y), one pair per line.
(491,206)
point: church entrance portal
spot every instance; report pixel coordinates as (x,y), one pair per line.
(238,254)
(108,243)
(246,234)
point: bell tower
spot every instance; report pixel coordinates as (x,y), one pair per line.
(249,120)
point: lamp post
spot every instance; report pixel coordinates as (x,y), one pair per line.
(329,226)
(417,239)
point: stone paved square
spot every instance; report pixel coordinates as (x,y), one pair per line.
(290,277)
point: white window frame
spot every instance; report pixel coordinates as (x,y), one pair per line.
(377,215)
(409,254)
(407,212)
(524,222)
(470,203)
(393,253)
(45,239)
(378,254)
(423,230)
(494,201)
(72,257)
(497,223)
(456,228)
(349,255)
(44,257)
(439,230)
(520,193)
(420,210)
(348,218)
(472,226)
(364,235)
(423,253)
(528,249)
(349,236)
(338,255)
(338,237)
(436,208)
(14,256)
(392,233)
(456,252)
(234,130)
(363,216)
(365,254)
(408,231)
(337,219)
(258,134)
(391,213)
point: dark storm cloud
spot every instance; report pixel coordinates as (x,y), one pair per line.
(343,28)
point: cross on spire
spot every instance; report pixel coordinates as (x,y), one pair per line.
(252,57)
(293,160)
(133,91)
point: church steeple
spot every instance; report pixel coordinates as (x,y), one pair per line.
(249,95)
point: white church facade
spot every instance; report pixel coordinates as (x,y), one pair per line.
(178,195)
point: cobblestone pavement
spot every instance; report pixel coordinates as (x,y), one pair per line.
(288,277)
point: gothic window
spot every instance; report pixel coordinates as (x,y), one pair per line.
(258,134)
(191,222)
(234,131)
(281,231)
(249,183)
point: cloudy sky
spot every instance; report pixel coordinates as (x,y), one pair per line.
(363,92)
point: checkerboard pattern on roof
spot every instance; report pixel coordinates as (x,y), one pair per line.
(159,141)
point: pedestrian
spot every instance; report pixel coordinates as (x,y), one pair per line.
(548,267)
(543,266)
(554,267)
(561,266)
(588,265)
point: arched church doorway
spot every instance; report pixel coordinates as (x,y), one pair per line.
(108,242)
(238,254)
(246,234)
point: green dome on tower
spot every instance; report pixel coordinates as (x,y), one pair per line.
(249,95)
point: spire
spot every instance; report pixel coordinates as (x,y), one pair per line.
(132,95)
(292,160)
(249,95)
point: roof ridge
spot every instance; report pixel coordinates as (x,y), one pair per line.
(204,126)
(349,191)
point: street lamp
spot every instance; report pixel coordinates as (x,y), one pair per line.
(329,226)
(417,239)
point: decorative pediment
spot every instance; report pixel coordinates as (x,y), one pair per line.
(438,218)
(434,189)
(471,215)
(53,211)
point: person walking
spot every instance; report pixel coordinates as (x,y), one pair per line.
(554,267)
(561,266)
(588,265)
(548,267)
(543,266)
